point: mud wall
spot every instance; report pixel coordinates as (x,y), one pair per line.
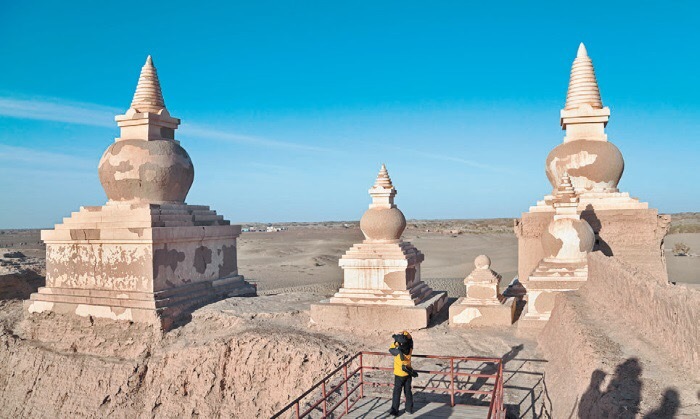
(587,345)
(667,315)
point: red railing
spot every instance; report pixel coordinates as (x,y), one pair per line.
(496,408)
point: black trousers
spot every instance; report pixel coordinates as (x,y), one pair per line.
(402,383)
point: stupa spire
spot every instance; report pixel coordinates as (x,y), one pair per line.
(383,179)
(583,85)
(565,199)
(383,191)
(565,188)
(147,118)
(148,96)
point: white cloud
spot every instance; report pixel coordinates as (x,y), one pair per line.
(466,162)
(205,133)
(43,159)
(59,111)
(103,116)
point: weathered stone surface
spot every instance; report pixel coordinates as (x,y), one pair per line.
(565,244)
(622,226)
(484,305)
(381,274)
(383,224)
(592,165)
(149,171)
(634,235)
(145,256)
(463,313)
(384,317)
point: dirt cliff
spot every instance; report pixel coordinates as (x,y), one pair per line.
(215,366)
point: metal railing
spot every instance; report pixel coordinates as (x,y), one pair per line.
(339,378)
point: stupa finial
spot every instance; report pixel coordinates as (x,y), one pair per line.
(583,85)
(383,191)
(148,96)
(383,179)
(581,51)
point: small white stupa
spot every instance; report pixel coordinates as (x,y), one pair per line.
(382,288)
(484,304)
(566,243)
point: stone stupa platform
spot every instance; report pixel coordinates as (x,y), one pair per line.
(391,295)
(382,289)
(379,316)
(139,262)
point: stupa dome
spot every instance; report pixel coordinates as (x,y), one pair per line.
(568,238)
(156,171)
(146,164)
(594,166)
(383,221)
(482,262)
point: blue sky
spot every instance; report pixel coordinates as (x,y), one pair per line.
(289,108)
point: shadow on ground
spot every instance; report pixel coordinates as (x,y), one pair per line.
(622,397)
(19,286)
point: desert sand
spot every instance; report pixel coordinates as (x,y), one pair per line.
(248,357)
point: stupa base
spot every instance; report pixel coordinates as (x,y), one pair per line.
(633,233)
(162,308)
(411,297)
(139,262)
(541,294)
(529,325)
(379,316)
(489,314)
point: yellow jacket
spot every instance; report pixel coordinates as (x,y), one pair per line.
(400,360)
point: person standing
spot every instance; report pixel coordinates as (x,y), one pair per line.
(402,348)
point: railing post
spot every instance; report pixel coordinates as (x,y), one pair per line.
(325,397)
(452,381)
(362,377)
(345,371)
(500,389)
(296,407)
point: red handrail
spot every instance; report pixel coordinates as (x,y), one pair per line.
(496,407)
